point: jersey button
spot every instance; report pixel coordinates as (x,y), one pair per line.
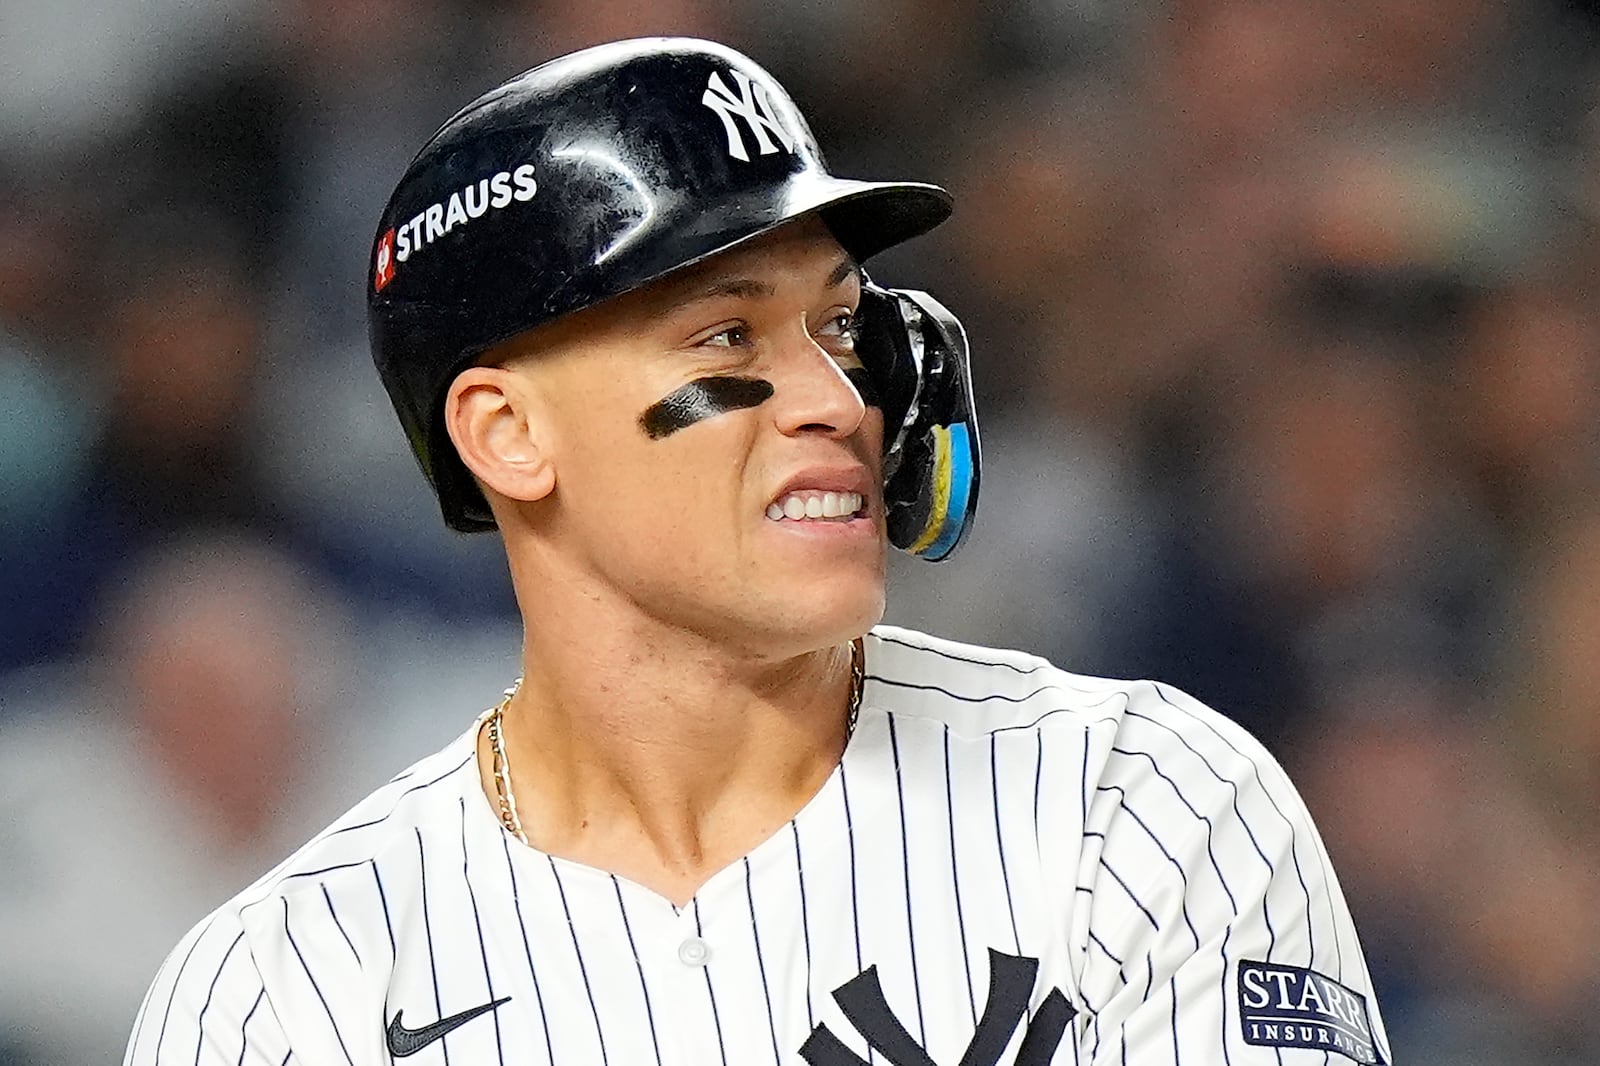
(694,952)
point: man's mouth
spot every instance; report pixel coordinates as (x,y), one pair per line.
(810,505)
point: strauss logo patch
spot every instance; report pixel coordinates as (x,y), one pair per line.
(476,200)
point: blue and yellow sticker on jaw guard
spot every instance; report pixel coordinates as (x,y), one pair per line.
(952,492)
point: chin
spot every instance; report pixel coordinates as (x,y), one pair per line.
(831,615)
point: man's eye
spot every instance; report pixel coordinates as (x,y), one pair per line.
(731,337)
(841,325)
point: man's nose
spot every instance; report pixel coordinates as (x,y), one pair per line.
(812,392)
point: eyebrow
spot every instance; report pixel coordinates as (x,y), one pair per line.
(845,269)
(745,288)
(750,288)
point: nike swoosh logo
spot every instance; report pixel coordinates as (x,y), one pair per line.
(403,1041)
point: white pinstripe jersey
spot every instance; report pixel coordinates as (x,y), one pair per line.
(1012,864)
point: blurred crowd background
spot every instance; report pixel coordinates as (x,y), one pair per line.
(1287,342)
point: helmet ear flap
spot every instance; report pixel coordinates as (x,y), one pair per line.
(884,348)
(916,351)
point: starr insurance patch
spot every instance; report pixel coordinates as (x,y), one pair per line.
(1291,1006)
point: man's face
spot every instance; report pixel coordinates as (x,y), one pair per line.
(698,427)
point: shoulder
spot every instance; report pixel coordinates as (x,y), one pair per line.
(978,690)
(385,821)
(243,966)
(973,688)
(1121,732)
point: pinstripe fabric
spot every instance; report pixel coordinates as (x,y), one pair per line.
(1128,843)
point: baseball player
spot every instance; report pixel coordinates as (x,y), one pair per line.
(723,818)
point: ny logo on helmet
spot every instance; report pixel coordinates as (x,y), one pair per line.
(752,105)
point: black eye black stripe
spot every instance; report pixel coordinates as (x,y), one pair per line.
(701,399)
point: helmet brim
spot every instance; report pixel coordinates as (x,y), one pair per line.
(870,217)
(865,217)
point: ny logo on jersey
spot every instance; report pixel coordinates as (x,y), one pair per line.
(1011,979)
(752,105)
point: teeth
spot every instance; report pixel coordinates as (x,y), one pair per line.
(810,504)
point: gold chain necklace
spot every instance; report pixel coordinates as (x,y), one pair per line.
(501,765)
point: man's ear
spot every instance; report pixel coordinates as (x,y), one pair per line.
(497,423)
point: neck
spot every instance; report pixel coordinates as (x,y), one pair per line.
(665,759)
